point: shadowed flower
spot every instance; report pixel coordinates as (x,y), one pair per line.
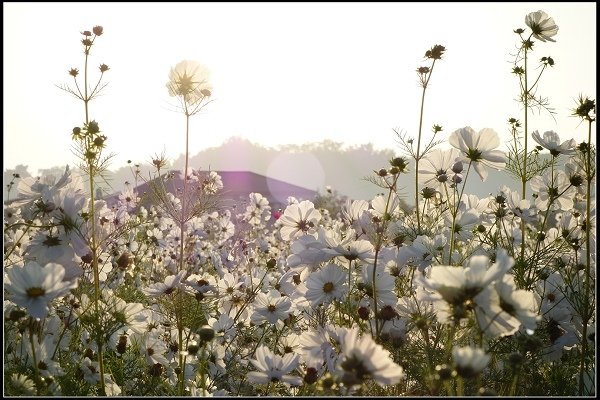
(469,361)
(542,26)
(479,149)
(274,368)
(503,309)
(362,359)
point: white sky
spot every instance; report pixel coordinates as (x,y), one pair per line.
(282,73)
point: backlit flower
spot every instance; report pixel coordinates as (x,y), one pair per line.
(189,80)
(436,167)
(542,26)
(478,148)
(551,141)
(553,189)
(299,219)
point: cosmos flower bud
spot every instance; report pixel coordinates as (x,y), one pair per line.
(435,52)
(86,33)
(206,333)
(98,30)
(400,163)
(73,72)
(457,167)
(104,68)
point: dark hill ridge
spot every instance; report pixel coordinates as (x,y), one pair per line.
(237,185)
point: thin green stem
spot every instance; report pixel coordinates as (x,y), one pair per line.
(36,368)
(182,222)
(524,172)
(455,213)
(418,155)
(586,303)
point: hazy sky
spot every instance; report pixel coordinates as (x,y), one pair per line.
(282,73)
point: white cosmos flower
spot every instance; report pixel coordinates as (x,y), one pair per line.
(270,307)
(553,187)
(458,284)
(153,348)
(363,359)
(307,250)
(347,247)
(385,285)
(274,368)
(469,361)
(299,219)
(170,284)
(479,149)
(22,384)
(326,285)
(34,287)
(382,203)
(189,80)
(542,26)
(436,167)
(353,210)
(501,310)
(551,141)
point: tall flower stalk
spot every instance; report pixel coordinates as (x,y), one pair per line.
(542,28)
(424,73)
(188,81)
(586,110)
(90,145)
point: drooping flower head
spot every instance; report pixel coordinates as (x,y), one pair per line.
(542,26)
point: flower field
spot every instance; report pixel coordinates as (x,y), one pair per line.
(172,293)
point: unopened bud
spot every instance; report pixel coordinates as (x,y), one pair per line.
(457,167)
(206,333)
